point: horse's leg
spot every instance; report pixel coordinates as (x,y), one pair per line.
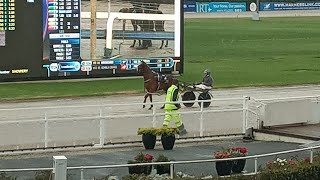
(150,96)
(135,28)
(161,44)
(145,99)
(167,43)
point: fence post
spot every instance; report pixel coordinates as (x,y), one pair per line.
(255,165)
(244,113)
(46,124)
(101,127)
(59,168)
(311,156)
(201,119)
(171,170)
(81,174)
(154,118)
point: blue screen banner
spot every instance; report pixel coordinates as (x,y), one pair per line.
(276,6)
(189,6)
(206,7)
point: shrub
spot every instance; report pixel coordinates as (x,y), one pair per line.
(165,131)
(163,168)
(148,131)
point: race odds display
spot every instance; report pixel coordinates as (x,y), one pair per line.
(47,39)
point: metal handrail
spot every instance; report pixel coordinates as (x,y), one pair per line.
(119,104)
(197,161)
(115,116)
(171,163)
(29,169)
(285,98)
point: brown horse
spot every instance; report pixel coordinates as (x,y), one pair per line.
(153,81)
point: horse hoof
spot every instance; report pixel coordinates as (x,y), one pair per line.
(150,108)
(162,107)
(143,106)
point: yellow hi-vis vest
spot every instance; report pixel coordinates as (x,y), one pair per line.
(169,98)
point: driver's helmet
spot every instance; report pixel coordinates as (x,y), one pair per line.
(206,72)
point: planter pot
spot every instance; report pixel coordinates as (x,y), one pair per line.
(140,169)
(149,141)
(163,169)
(168,142)
(224,168)
(238,165)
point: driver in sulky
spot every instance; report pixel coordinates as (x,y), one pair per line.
(207,81)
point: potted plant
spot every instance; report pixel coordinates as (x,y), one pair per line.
(168,137)
(141,158)
(223,168)
(149,136)
(238,165)
(163,168)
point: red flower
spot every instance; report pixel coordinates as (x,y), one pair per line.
(148,157)
(243,150)
(222,154)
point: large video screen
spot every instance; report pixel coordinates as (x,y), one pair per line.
(50,39)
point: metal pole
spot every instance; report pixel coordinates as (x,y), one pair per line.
(256,165)
(171,171)
(201,119)
(109,8)
(81,174)
(311,156)
(45,131)
(93,33)
(154,117)
(101,128)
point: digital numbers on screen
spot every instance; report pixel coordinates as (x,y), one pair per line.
(7,15)
(64,30)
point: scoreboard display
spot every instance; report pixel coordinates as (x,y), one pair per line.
(41,39)
(20,39)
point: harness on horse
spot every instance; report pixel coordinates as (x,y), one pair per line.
(159,77)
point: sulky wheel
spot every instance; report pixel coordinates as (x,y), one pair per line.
(188,96)
(204,96)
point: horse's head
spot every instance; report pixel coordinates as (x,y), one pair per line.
(141,67)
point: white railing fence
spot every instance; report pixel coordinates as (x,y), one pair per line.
(105,124)
(88,125)
(60,164)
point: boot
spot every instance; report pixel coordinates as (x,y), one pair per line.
(182,130)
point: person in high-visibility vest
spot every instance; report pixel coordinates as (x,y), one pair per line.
(171,110)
